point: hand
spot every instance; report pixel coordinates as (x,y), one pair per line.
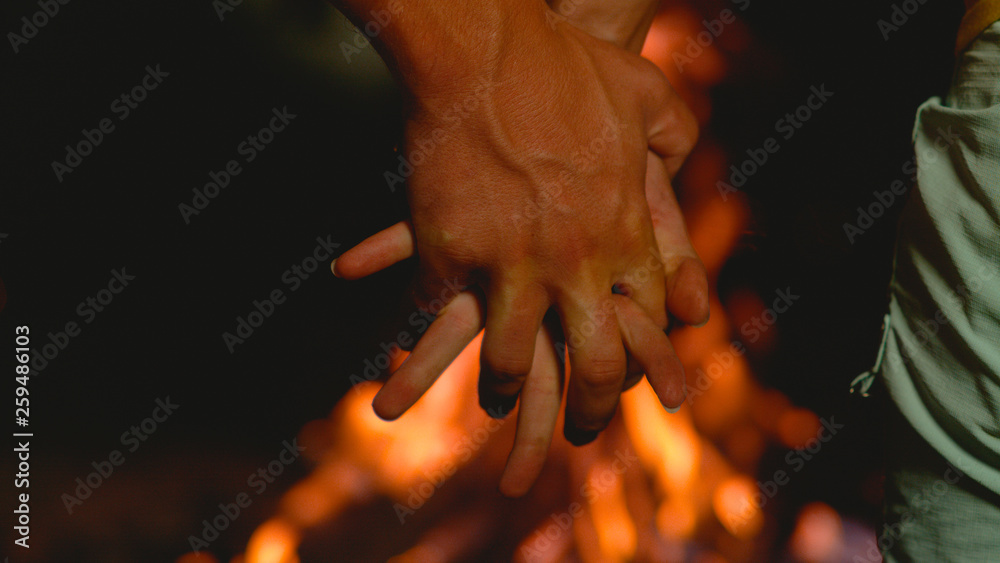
(533,190)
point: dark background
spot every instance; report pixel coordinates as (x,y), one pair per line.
(323,176)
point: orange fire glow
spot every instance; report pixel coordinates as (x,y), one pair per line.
(273,542)
(694,479)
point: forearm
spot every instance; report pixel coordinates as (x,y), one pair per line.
(430,45)
(622,22)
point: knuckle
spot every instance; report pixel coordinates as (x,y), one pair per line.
(603,374)
(658,86)
(683,122)
(504,368)
(687,127)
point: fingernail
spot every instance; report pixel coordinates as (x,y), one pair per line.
(579,437)
(333,267)
(684,389)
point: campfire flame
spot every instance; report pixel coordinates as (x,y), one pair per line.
(689,496)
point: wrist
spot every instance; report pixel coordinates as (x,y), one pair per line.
(624,23)
(438,48)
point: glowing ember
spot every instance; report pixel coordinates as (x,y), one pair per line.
(818,535)
(736,507)
(797,427)
(273,542)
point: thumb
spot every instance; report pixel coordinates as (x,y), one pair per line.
(686,278)
(671,127)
